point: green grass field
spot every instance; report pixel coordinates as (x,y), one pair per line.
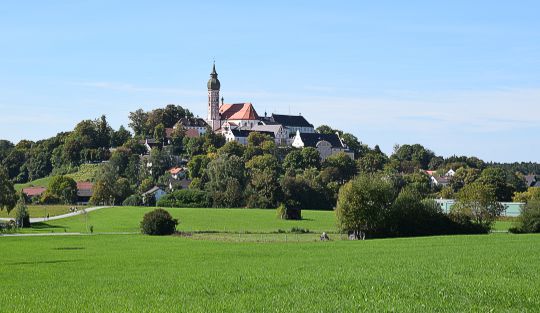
(86,172)
(127,219)
(237,260)
(43,210)
(136,273)
(222,221)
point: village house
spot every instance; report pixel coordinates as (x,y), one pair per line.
(84,192)
(34,192)
(326,144)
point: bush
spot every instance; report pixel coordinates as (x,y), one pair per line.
(289,213)
(185,198)
(158,222)
(133,200)
(22,217)
(529,220)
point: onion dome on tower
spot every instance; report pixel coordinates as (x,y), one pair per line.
(213,82)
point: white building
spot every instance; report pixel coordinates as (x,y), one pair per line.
(326,144)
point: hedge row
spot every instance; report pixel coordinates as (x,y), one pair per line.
(185,198)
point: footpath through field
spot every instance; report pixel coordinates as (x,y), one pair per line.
(57,217)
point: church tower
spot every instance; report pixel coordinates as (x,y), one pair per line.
(213,119)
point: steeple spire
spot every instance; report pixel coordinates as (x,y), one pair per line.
(213,82)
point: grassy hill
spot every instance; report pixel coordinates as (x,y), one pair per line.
(86,172)
(135,273)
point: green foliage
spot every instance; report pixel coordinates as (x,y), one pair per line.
(412,157)
(232,148)
(503,182)
(133,200)
(345,167)
(301,159)
(109,187)
(185,198)
(364,203)
(8,197)
(371,162)
(158,222)
(529,220)
(289,213)
(22,216)
(120,137)
(226,181)
(306,190)
(532,194)
(63,188)
(477,202)
(263,186)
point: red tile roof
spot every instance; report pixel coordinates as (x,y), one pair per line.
(238,111)
(175,170)
(34,191)
(192,133)
(84,185)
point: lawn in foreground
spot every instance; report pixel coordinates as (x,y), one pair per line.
(127,219)
(136,273)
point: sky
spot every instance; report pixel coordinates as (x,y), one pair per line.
(459,77)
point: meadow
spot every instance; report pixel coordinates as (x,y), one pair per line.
(127,219)
(43,210)
(136,273)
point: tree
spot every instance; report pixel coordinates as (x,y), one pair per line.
(355,145)
(413,157)
(138,122)
(325,129)
(159,133)
(529,220)
(532,194)
(104,191)
(226,181)
(22,217)
(463,177)
(497,179)
(177,139)
(160,161)
(372,162)
(62,188)
(363,203)
(478,203)
(293,161)
(232,148)
(197,165)
(263,187)
(8,197)
(158,222)
(120,137)
(344,165)
(419,182)
(310,158)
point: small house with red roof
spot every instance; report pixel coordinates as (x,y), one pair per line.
(34,192)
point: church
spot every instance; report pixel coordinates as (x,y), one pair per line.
(235,121)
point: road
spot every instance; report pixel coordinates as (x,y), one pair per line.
(58,217)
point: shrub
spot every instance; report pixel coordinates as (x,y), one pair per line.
(22,217)
(529,220)
(133,200)
(185,198)
(158,222)
(289,213)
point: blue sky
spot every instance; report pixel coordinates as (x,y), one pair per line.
(459,77)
